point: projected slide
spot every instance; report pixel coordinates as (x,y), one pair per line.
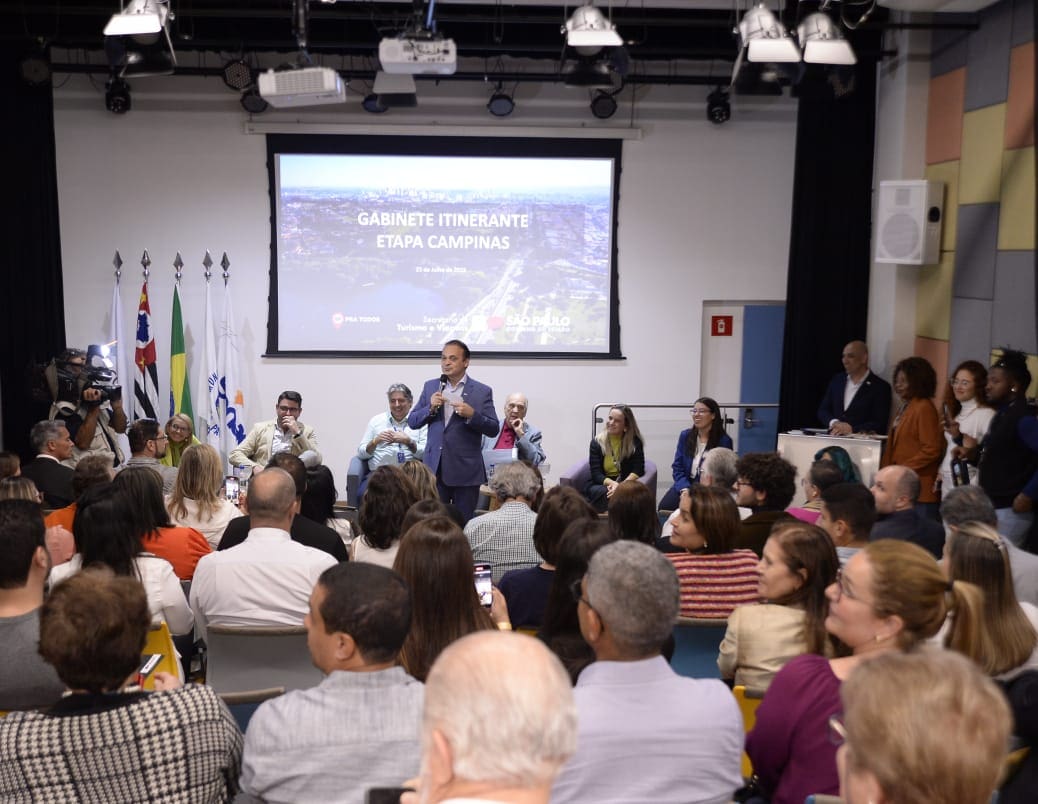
(401,253)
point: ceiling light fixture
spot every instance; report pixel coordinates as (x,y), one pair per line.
(822,41)
(501,104)
(117,95)
(718,106)
(603,104)
(588,27)
(765,38)
(238,75)
(252,102)
(137,39)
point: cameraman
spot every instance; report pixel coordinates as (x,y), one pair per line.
(98,416)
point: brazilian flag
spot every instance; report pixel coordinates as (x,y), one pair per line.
(179,388)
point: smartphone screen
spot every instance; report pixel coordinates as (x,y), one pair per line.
(385,795)
(484,582)
(231,488)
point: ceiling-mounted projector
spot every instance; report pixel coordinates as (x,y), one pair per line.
(310,86)
(418,55)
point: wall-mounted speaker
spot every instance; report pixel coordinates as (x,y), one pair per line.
(908,223)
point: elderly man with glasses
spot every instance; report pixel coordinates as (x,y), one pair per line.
(284,433)
(147,447)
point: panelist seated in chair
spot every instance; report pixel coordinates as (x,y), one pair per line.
(358,728)
(517,433)
(389,439)
(616,454)
(284,433)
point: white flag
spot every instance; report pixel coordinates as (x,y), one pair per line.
(120,350)
(232,398)
(210,420)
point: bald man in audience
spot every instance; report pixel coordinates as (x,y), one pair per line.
(516,432)
(498,723)
(857,400)
(896,489)
(644,732)
(268,578)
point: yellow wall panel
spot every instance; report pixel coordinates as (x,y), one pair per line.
(933,298)
(981,171)
(1016,213)
(948,172)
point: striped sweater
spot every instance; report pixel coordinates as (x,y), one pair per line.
(713,585)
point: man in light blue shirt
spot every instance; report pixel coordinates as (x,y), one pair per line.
(644,733)
(388,438)
(357,729)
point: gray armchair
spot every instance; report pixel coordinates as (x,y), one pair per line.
(578,475)
(354,475)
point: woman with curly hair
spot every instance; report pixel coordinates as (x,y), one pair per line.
(388,496)
(916,437)
(967,416)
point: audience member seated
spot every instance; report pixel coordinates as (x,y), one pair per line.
(389,496)
(799,564)
(318,502)
(632,513)
(916,439)
(896,489)
(924,726)
(628,601)
(91,470)
(284,433)
(426,509)
(841,458)
(498,722)
(616,454)
(718,471)
(389,440)
(197,500)
(560,630)
(891,596)
(857,400)
(47,470)
(766,485)
(436,562)
(61,546)
(504,538)
(302,530)
(820,476)
(107,537)
(21,488)
(975,553)
(1008,463)
(971,504)
(180,546)
(526,590)
(267,579)
(424,480)
(848,514)
(147,448)
(706,432)
(181,433)
(359,727)
(109,740)
(26,681)
(516,432)
(10,465)
(714,576)
(967,417)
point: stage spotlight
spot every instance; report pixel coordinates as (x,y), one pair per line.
(35,67)
(237,75)
(252,102)
(372,104)
(718,109)
(117,96)
(587,27)
(500,103)
(603,105)
(765,38)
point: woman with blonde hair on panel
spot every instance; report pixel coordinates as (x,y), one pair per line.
(975,553)
(919,728)
(197,500)
(891,596)
(181,434)
(616,454)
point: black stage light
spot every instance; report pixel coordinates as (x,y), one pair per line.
(718,109)
(603,105)
(237,75)
(500,104)
(371,103)
(117,96)
(252,102)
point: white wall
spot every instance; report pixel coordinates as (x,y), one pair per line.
(704,214)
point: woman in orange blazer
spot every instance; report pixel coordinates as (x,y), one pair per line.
(916,438)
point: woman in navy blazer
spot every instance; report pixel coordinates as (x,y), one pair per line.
(706,432)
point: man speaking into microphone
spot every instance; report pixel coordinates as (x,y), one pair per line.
(459,412)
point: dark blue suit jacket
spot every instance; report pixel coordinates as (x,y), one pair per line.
(456,450)
(869,410)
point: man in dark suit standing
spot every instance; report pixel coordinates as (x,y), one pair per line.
(459,412)
(53,444)
(857,401)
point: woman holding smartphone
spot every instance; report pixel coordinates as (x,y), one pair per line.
(967,417)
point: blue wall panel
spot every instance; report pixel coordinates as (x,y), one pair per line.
(761,370)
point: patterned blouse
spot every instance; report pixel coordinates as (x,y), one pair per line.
(712,585)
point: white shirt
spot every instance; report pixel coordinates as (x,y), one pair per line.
(974,421)
(265,580)
(387,453)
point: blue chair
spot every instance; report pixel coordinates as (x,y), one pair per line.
(696,644)
(243,705)
(354,476)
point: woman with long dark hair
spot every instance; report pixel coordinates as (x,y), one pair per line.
(706,432)
(388,496)
(798,565)
(318,503)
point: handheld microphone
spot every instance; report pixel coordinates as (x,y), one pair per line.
(443,386)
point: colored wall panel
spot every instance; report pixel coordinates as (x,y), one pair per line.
(763,327)
(933,298)
(948,46)
(987,57)
(948,172)
(1016,220)
(1020,103)
(937,353)
(1013,319)
(981,171)
(944,117)
(970,330)
(1023,21)
(975,247)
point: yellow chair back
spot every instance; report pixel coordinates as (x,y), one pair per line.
(748,702)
